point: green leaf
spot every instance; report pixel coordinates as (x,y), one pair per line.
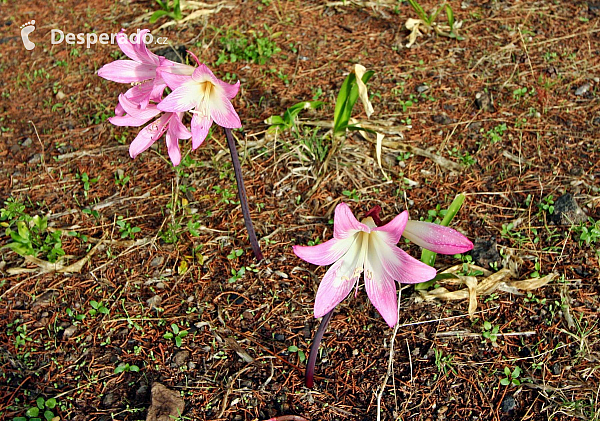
(33,411)
(134,368)
(178,341)
(51,403)
(168,335)
(40,403)
(504,382)
(293,348)
(450,15)
(157,15)
(23,231)
(120,368)
(419,10)
(48,415)
(175,328)
(275,120)
(427,256)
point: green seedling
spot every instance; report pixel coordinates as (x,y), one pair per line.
(169,9)
(301,355)
(288,120)
(43,408)
(512,377)
(490,332)
(126,367)
(125,228)
(97,308)
(177,335)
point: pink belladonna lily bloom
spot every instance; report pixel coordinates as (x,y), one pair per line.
(168,122)
(363,247)
(208,98)
(141,70)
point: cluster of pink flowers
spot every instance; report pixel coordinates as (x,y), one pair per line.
(194,89)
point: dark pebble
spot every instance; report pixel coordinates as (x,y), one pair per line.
(509,404)
(279,337)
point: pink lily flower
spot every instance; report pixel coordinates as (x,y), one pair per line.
(437,238)
(141,70)
(208,98)
(168,122)
(363,247)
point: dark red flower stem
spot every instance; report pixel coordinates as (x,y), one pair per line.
(237,168)
(314,350)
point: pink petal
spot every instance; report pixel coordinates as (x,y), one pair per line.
(200,127)
(333,289)
(230,90)
(148,135)
(172,80)
(344,222)
(134,111)
(203,73)
(325,253)
(397,263)
(138,51)
(183,98)
(173,148)
(127,71)
(393,229)
(381,290)
(437,238)
(339,279)
(127,120)
(222,111)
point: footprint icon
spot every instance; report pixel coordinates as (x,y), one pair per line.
(26,29)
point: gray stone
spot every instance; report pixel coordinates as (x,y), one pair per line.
(181,357)
(567,211)
(509,404)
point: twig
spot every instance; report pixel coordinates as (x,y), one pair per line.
(242,195)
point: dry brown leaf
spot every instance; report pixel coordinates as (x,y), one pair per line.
(483,286)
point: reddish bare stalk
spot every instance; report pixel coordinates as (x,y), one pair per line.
(314,348)
(237,168)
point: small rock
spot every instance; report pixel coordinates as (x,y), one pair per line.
(181,357)
(556,369)
(154,302)
(60,95)
(422,88)
(483,101)
(157,261)
(35,159)
(141,392)
(191,365)
(509,404)
(596,121)
(45,299)
(160,285)
(582,90)
(567,211)
(70,331)
(485,253)
(176,54)
(442,119)
(166,404)
(279,337)
(109,400)
(27,142)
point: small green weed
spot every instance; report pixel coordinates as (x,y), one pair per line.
(177,334)
(512,377)
(97,308)
(43,407)
(171,10)
(126,367)
(301,355)
(237,47)
(125,228)
(490,332)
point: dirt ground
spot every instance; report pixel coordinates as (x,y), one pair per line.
(508,114)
